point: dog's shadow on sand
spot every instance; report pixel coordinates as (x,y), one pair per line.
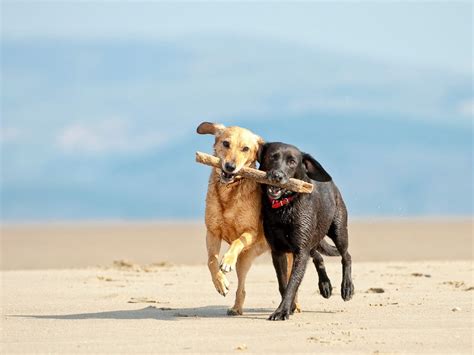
(162,313)
(158,313)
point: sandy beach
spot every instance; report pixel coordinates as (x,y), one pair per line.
(63,293)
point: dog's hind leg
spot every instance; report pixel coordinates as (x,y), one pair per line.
(325,287)
(244,262)
(338,233)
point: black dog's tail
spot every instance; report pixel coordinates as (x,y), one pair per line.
(327,249)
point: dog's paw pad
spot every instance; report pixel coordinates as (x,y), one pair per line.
(325,288)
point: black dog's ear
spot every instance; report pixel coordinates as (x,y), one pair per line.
(261,152)
(314,170)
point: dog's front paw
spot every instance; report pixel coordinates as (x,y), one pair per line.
(221,283)
(280,314)
(228,262)
(347,289)
(325,288)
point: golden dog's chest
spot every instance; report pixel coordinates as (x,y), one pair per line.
(233,211)
(227,224)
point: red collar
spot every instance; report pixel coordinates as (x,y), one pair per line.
(282,201)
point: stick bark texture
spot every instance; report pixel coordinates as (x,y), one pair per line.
(257,175)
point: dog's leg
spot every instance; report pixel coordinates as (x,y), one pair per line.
(325,287)
(244,263)
(299,267)
(213,244)
(296,307)
(280,264)
(338,233)
(230,257)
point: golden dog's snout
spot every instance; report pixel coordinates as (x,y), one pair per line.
(229,167)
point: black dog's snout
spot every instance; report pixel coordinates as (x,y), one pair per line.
(276,176)
(229,167)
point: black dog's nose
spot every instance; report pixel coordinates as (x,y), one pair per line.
(229,167)
(277,176)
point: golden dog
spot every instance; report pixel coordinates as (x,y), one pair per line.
(233,209)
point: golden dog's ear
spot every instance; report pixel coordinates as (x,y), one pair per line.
(210,128)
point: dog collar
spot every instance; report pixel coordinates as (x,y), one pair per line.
(282,201)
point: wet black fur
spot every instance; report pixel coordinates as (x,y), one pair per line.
(300,226)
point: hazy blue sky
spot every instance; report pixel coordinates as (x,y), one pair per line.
(100,101)
(422,33)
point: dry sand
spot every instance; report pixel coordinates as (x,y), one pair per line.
(425,306)
(63,245)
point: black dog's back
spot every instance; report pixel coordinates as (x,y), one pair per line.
(297,223)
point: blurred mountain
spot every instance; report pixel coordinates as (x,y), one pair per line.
(94,130)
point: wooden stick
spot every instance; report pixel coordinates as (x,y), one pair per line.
(257,175)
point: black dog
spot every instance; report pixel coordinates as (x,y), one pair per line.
(297,223)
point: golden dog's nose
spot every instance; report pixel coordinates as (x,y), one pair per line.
(229,167)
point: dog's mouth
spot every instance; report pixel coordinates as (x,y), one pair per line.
(275,192)
(227,178)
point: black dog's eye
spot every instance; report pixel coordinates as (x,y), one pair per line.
(275,157)
(226,144)
(245,149)
(291,162)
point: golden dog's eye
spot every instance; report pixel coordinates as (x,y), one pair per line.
(226,144)
(245,149)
